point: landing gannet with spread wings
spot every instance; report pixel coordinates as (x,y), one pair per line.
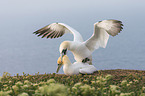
(75,68)
(82,50)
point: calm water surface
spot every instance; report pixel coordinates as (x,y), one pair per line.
(21,51)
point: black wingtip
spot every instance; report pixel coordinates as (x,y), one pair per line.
(34,32)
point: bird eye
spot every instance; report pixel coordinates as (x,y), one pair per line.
(64,51)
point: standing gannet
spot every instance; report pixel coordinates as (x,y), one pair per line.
(75,68)
(82,50)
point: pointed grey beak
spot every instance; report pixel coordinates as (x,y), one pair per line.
(58,67)
(62,56)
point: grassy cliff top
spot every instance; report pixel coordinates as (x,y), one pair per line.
(102,83)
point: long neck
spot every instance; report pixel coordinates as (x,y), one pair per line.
(67,62)
(72,45)
(78,37)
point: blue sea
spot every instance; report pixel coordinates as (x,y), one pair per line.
(22,51)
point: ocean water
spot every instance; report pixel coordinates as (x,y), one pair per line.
(31,54)
(22,51)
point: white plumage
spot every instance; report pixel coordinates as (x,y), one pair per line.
(82,50)
(75,68)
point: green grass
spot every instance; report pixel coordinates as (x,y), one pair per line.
(101,83)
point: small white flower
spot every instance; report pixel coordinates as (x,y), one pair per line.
(93,82)
(25,86)
(51,81)
(136,81)
(108,77)
(78,84)
(15,88)
(27,82)
(23,94)
(124,83)
(19,83)
(114,89)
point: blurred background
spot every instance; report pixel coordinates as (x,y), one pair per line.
(22,51)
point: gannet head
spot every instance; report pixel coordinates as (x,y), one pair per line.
(64,46)
(62,60)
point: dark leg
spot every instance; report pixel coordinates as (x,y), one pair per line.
(85,60)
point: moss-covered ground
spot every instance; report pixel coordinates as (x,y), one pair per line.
(101,83)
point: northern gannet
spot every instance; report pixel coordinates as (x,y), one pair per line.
(82,50)
(75,68)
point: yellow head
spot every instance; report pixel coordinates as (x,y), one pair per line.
(62,60)
(59,60)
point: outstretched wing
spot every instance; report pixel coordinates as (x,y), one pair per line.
(102,30)
(56,30)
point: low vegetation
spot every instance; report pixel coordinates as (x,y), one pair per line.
(101,83)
